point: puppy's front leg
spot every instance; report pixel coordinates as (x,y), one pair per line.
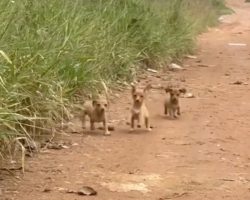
(178,111)
(92,125)
(84,121)
(147,124)
(105,124)
(175,111)
(165,110)
(132,122)
(172,113)
(139,120)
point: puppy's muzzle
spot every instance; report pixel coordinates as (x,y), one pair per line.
(174,100)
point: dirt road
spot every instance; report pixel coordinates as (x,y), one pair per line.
(203,155)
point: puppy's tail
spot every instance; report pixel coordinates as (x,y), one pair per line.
(105,89)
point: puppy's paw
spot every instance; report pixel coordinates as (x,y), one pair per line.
(131,130)
(149,129)
(107,133)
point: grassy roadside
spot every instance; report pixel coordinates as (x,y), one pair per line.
(52,49)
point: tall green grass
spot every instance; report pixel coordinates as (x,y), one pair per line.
(52,49)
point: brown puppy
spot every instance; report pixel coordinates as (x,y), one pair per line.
(172,105)
(97,112)
(139,110)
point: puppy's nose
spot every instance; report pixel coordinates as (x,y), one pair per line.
(175,99)
(102,109)
(137,100)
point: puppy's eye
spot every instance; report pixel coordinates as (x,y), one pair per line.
(135,95)
(106,105)
(98,104)
(141,96)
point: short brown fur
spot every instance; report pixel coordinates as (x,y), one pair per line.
(139,110)
(97,112)
(172,104)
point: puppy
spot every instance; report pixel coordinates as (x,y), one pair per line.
(97,112)
(139,110)
(172,105)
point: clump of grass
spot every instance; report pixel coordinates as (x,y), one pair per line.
(51,49)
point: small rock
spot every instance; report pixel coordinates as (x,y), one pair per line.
(221,18)
(56,146)
(125,83)
(47,190)
(239,83)
(205,65)
(189,95)
(152,70)
(61,189)
(70,191)
(65,147)
(191,57)
(174,67)
(87,191)
(226,179)
(237,44)
(13,162)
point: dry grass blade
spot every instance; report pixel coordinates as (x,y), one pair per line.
(5,57)
(23,150)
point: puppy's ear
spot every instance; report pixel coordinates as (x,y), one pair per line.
(148,87)
(168,90)
(94,102)
(183,90)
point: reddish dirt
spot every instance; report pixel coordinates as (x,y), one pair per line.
(202,155)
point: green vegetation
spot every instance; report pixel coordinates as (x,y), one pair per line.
(51,49)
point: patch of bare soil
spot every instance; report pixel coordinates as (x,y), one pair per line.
(202,155)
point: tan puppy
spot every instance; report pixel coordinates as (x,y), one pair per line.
(172,105)
(139,110)
(97,112)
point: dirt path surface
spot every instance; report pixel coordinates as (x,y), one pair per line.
(202,155)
